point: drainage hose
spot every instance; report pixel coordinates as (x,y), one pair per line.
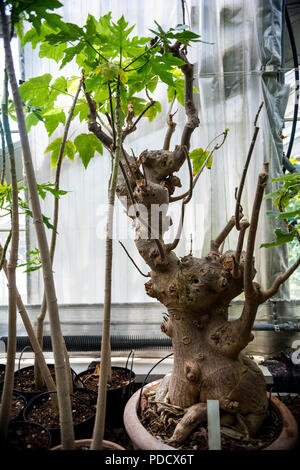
(93,343)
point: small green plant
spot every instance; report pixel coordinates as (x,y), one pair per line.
(287,200)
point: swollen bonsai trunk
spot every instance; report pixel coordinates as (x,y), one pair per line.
(65,411)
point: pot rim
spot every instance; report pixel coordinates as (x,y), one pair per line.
(90,370)
(111,445)
(139,435)
(26,423)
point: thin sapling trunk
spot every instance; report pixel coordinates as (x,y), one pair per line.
(41,317)
(47,377)
(99,426)
(11,276)
(65,410)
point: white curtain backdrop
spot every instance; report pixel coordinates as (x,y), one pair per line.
(228,75)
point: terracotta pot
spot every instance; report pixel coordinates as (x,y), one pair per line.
(143,440)
(107,445)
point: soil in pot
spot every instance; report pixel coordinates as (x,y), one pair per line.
(293,404)
(2,373)
(118,391)
(90,378)
(160,421)
(27,436)
(17,405)
(39,410)
(25,383)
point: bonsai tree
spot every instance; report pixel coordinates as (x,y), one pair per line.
(208,358)
(209,362)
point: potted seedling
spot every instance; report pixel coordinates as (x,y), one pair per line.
(60,147)
(64,402)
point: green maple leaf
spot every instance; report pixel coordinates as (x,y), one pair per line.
(54,148)
(198,156)
(87,145)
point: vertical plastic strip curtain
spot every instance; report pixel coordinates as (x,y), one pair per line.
(241,38)
(236,73)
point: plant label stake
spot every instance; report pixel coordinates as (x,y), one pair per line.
(213,424)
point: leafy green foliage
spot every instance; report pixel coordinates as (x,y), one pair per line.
(34,11)
(54,148)
(39,96)
(50,187)
(107,51)
(287,200)
(87,145)
(198,156)
(35,91)
(34,263)
(6,200)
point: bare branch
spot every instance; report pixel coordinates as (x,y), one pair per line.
(190,109)
(112,124)
(170,132)
(3,153)
(216,147)
(257,114)
(242,182)
(4,249)
(243,227)
(248,285)
(132,260)
(155,44)
(144,172)
(174,244)
(267,294)
(190,192)
(171,126)
(132,128)
(215,244)
(93,126)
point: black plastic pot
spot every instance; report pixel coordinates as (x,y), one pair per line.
(19,416)
(17,428)
(116,397)
(2,369)
(82,430)
(30,395)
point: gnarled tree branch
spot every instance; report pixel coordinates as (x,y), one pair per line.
(242,182)
(267,294)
